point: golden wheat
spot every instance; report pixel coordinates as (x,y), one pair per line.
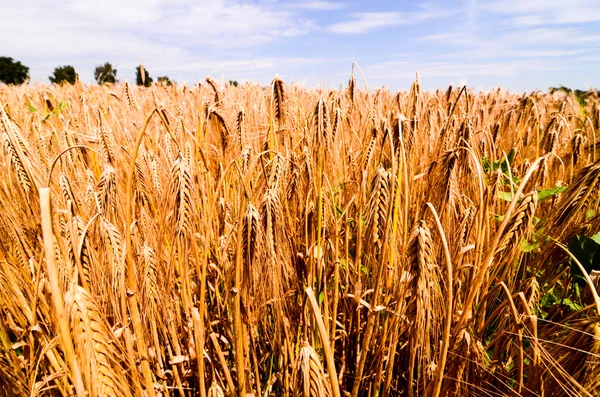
(281,241)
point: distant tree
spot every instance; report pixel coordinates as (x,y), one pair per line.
(12,72)
(64,74)
(580,95)
(164,80)
(105,74)
(233,83)
(146,81)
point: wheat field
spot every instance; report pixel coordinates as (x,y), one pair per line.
(212,240)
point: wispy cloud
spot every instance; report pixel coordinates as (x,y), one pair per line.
(317,5)
(518,43)
(231,24)
(527,42)
(539,12)
(222,23)
(364,22)
(483,75)
(450,38)
(394,70)
(81,33)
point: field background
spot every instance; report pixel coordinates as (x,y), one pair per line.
(215,240)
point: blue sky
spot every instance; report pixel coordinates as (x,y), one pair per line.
(520,45)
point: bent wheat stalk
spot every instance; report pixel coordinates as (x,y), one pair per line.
(56,291)
(335,387)
(130,269)
(468,304)
(449,299)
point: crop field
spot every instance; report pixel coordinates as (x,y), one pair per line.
(212,240)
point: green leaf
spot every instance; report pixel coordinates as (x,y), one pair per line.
(32,109)
(321,297)
(548,299)
(551,192)
(596,237)
(511,156)
(589,214)
(364,270)
(526,246)
(506,196)
(505,163)
(515,180)
(343,264)
(587,252)
(485,164)
(572,305)
(63,104)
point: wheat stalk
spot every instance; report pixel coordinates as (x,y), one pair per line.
(101,364)
(278,100)
(310,377)
(215,87)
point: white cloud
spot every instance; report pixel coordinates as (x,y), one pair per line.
(442,36)
(554,36)
(538,12)
(168,34)
(485,75)
(131,12)
(231,24)
(318,5)
(529,20)
(451,38)
(366,21)
(392,70)
(556,43)
(255,39)
(222,23)
(547,53)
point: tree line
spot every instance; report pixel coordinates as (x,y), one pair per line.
(14,72)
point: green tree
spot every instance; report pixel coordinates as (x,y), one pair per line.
(580,95)
(164,80)
(146,80)
(233,83)
(12,72)
(105,73)
(64,74)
